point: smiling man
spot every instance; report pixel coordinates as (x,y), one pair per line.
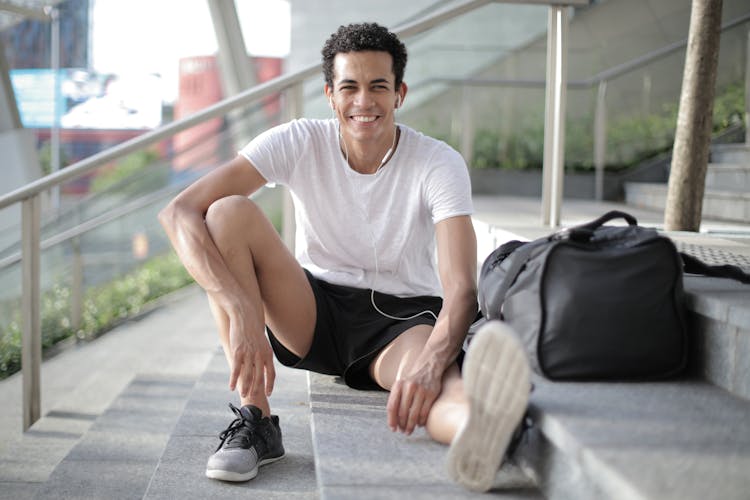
(382,289)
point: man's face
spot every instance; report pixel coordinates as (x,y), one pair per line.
(364,96)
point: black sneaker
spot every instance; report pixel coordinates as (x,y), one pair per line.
(250,441)
(511,475)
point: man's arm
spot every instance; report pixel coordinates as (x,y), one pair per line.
(183,220)
(457,266)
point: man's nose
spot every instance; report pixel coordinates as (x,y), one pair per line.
(364,99)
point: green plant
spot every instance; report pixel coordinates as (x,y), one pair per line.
(729,107)
(45,158)
(519,151)
(136,173)
(630,138)
(103,307)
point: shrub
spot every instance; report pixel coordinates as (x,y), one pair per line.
(137,173)
(104,307)
(630,139)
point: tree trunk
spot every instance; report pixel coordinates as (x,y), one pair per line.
(687,178)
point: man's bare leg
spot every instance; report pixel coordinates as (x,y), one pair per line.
(279,293)
(269,276)
(450,409)
(476,415)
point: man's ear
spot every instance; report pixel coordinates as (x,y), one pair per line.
(329,94)
(401,94)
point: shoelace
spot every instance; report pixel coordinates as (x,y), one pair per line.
(237,426)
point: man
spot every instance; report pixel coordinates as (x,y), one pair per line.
(365,298)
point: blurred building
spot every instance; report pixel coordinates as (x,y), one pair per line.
(28,43)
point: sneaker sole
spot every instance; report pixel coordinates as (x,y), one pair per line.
(237,477)
(497,383)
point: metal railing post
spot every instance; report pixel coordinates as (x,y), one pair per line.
(76,286)
(31,350)
(554,121)
(600,139)
(54,15)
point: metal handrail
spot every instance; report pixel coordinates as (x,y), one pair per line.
(219,109)
(99,220)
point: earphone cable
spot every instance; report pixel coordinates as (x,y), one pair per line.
(372,235)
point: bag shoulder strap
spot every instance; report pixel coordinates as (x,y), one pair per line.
(518,259)
(693,265)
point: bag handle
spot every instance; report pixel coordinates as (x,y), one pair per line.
(584,232)
(611,215)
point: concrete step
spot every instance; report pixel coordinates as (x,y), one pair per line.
(661,440)
(26,463)
(83,381)
(728,177)
(722,205)
(730,153)
(181,469)
(719,319)
(117,455)
(357,455)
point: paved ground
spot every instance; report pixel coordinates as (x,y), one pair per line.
(175,339)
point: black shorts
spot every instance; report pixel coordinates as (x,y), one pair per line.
(349,332)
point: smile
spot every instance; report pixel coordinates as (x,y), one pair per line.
(364,119)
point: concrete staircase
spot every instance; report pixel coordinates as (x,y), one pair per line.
(727,194)
(686,439)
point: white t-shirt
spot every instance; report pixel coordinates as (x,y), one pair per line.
(367,231)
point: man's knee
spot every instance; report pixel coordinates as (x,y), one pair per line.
(227,215)
(227,208)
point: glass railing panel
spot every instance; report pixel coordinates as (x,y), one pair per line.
(501,106)
(456,90)
(468,47)
(642,105)
(104,253)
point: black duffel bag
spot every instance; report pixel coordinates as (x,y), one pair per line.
(592,302)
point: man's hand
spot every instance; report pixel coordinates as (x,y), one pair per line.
(412,397)
(251,361)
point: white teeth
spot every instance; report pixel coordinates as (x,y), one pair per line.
(364,118)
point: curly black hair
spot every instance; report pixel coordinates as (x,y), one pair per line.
(361,37)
